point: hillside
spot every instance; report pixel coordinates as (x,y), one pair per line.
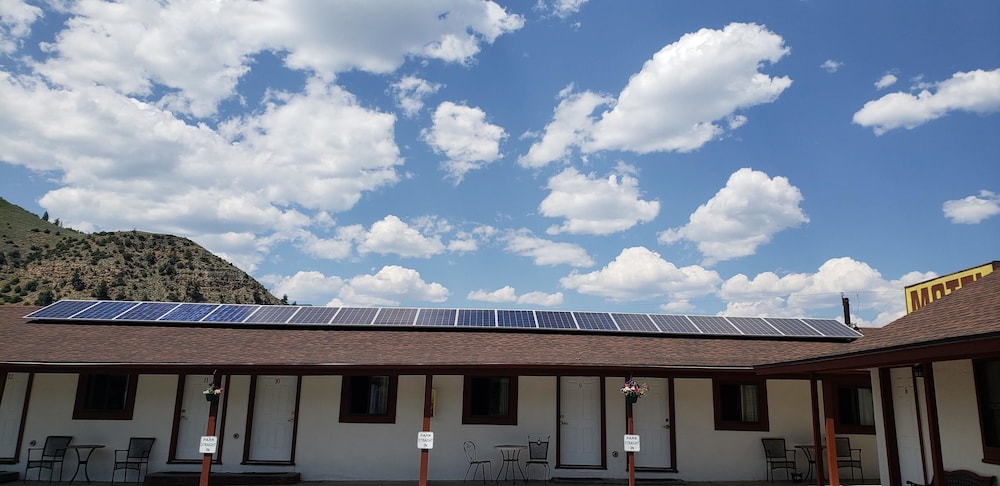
(41,262)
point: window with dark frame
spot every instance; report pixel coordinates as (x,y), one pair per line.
(490,400)
(740,404)
(988,395)
(852,403)
(104,396)
(368,399)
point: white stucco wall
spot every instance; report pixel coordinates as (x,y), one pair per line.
(958,416)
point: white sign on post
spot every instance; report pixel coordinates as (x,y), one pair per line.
(208,444)
(425,440)
(631,443)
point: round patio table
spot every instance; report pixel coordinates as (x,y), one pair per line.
(83,452)
(511,465)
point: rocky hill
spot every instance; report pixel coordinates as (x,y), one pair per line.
(41,262)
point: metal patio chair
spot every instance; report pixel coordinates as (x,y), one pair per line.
(475,463)
(776,456)
(848,456)
(52,453)
(538,455)
(136,458)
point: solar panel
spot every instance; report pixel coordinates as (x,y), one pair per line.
(634,322)
(555,320)
(394,316)
(355,315)
(476,318)
(597,321)
(104,310)
(753,326)
(713,325)
(516,318)
(313,315)
(230,313)
(189,312)
(64,309)
(674,324)
(436,317)
(272,314)
(147,311)
(792,327)
(832,328)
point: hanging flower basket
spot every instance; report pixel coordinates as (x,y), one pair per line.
(211,397)
(212,393)
(631,398)
(633,390)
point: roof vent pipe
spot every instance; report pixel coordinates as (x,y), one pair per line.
(847,312)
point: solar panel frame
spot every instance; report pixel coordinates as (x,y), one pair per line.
(793,327)
(522,319)
(832,328)
(555,320)
(753,326)
(635,322)
(187,312)
(476,318)
(63,309)
(395,316)
(147,311)
(595,321)
(674,324)
(361,316)
(232,313)
(715,325)
(436,317)
(104,310)
(313,315)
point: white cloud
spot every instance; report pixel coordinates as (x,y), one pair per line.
(463,135)
(308,287)
(596,206)
(570,126)
(743,215)
(392,235)
(672,104)
(391,285)
(819,294)
(885,81)
(560,8)
(974,91)
(972,209)
(831,66)
(410,92)
(16,17)
(507,294)
(638,273)
(546,252)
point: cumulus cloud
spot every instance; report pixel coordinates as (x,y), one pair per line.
(743,215)
(392,235)
(885,81)
(389,286)
(306,287)
(974,91)
(819,294)
(463,135)
(16,17)
(972,209)
(570,126)
(546,252)
(596,206)
(831,66)
(410,92)
(638,274)
(507,295)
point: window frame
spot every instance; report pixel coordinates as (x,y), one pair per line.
(991,454)
(834,386)
(469,418)
(86,380)
(347,416)
(762,424)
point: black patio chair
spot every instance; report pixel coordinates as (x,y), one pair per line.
(538,455)
(848,456)
(136,458)
(776,456)
(475,463)
(52,453)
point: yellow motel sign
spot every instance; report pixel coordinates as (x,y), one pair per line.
(923,293)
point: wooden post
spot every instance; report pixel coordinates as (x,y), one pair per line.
(428,411)
(631,455)
(817,446)
(213,410)
(831,451)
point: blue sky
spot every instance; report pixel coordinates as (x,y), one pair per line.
(745,158)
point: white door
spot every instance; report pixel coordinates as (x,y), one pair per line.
(651,422)
(580,421)
(193,421)
(905,401)
(273,418)
(11,406)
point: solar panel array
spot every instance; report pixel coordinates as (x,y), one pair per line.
(396,317)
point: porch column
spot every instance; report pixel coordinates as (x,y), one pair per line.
(831,437)
(817,446)
(933,429)
(428,411)
(213,410)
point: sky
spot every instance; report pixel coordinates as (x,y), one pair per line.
(687,157)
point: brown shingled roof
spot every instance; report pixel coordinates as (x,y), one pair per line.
(41,344)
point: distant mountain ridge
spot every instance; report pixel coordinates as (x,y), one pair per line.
(41,262)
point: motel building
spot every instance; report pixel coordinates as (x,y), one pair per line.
(327,393)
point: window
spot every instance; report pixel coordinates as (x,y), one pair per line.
(368,399)
(740,405)
(852,403)
(490,400)
(988,394)
(105,396)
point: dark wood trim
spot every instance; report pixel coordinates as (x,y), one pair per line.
(16,458)
(933,427)
(345,402)
(469,419)
(762,423)
(83,381)
(832,385)
(991,454)
(818,473)
(889,426)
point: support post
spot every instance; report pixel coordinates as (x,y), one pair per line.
(831,451)
(631,455)
(213,410)
(817,435)
(428,411)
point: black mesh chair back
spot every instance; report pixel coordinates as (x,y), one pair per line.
(848,456)
(52,453)
(538,455)
(135,458)
(777,456)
